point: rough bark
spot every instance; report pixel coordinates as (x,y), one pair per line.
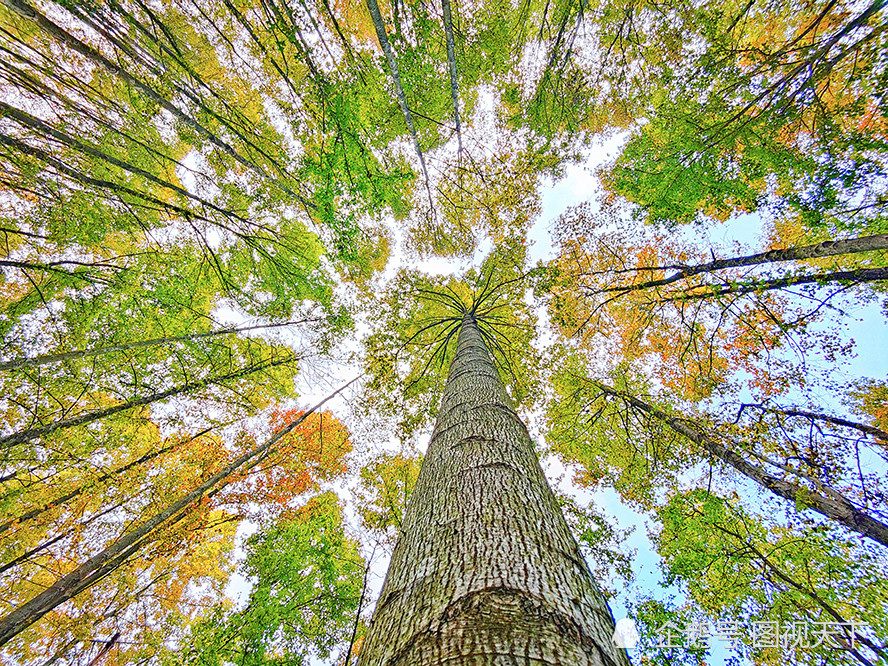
(830,504)
(103,563)
(486,570)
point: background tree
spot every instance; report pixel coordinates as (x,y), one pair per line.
(307,573)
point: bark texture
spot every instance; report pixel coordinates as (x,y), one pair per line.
(825,501)
(486,570)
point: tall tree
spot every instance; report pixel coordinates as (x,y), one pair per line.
(307,573)
(486,569)
(98,565)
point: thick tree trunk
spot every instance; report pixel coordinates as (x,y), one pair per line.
(486,570)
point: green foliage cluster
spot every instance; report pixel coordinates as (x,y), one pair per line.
(306,586)
(167,168)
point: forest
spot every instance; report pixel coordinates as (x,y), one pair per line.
(547,312)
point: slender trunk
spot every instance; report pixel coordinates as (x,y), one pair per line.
(58,501)
(106,648)
(824,249)
(454,81)
(486,570)
(27,120)
(28,554)
(852,276)
(98,351)
(25,10)
(88,417)
(103,563)
(872,431)
(379,25)
(116,188)
(831,505)
(53,268)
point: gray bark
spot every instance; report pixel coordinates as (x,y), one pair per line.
(829,504)
(451,61)
(15,363)
(486,570)
(385,44)
(853,276)
(103,563)
(824,249)
(23,436)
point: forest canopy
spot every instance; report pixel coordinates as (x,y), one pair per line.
(239,240)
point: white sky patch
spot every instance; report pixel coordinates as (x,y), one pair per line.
(578,185)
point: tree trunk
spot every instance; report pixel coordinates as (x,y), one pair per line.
(486,570)
(125,346)
(852,276)
(23,9)
(451,62)
(819,250)
(58,501)
(109,559)
(379,25)
(23,436)
(829,503)
(865,428)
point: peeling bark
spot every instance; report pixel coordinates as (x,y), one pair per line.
(486,570)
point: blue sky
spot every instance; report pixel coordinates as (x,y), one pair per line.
(865,324)
(579,184)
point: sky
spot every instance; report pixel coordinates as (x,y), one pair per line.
(577,185)
(865,324)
